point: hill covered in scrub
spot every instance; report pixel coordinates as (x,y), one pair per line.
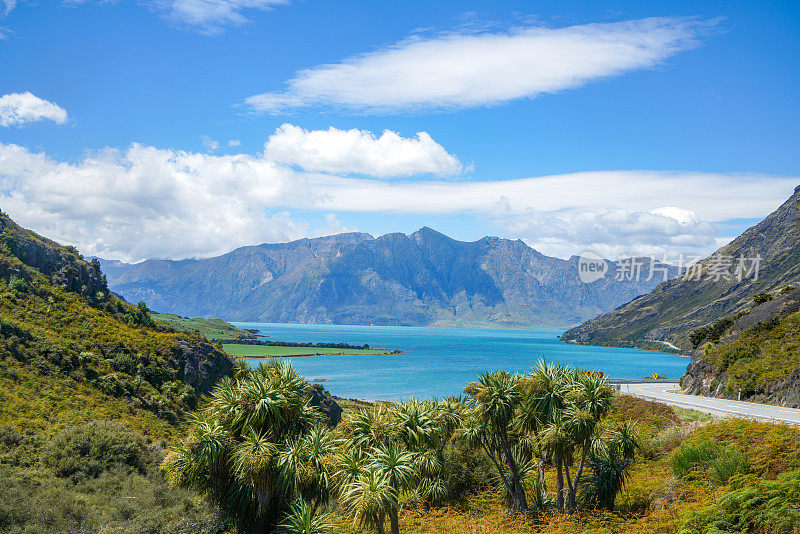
(757,352)
(91,390)
(69,343)
(677,307)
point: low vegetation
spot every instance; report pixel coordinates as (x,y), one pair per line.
(213,329)
(279,351)
(760,356)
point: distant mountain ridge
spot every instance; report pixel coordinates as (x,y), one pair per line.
(424,278)
(677,307)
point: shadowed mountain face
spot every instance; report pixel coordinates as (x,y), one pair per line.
(677,307)
(425,278)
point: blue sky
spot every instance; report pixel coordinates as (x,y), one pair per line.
(679,119)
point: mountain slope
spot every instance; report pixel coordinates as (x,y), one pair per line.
(757,353)
(72,352)
(425,278)
(677,307)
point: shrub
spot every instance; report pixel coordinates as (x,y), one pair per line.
(761,298)
(88,450)
(710,459)
(17,284)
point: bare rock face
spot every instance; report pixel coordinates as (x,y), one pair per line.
(200,364)
(325,403)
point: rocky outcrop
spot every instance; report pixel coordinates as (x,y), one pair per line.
(325,403)
(200,365)
(63,265)
(424,278)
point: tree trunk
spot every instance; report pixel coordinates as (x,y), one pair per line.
(393,521)
(379,527)
(569,504)
(542,479)
(518,501)
(559,485)
(573,487)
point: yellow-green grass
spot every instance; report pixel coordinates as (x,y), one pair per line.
(271,351)
(210,328)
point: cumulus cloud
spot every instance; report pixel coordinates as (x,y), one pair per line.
(458,70)
(212,16)
(149,202)
(360,152)
(17,109)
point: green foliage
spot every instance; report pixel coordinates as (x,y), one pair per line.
(760,357)
(714,331)
(786,289)
(17,284)
(709,459)
(761,298)
(105,479)
(258,448)
(87,450)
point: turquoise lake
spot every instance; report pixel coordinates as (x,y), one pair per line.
(440,361)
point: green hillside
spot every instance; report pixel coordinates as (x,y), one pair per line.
(210,328)
(757,352)
(91,389)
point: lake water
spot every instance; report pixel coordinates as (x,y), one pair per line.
(441,361)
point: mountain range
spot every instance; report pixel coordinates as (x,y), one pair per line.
(421,279)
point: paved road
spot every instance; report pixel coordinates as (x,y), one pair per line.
(668,394)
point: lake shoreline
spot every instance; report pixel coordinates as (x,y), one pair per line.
(388,352)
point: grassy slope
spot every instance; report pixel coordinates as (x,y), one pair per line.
(264,351)
(209,328)
(73,356)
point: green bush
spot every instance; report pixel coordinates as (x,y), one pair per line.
(761,298)
(709,459)
(88,450)
(17,284)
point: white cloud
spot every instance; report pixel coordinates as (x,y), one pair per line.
(458,70)
(150,202)
(147,202)
(210,144)
(234,142)
(212,16)
(17,109)
(616,233)
(6,6)
(713,197)
(360,152)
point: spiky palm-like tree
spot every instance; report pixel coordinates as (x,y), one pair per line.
(590,399)
(258,448)
(610,462)
(494,400)
(301,519)
(369,497)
